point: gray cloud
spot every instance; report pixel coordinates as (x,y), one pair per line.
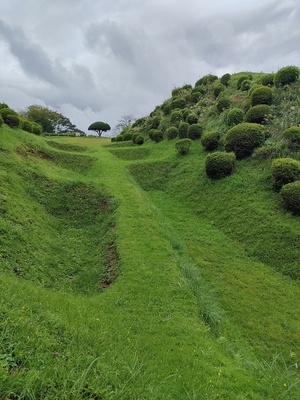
(102,59)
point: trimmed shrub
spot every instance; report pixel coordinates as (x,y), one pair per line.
(36,128)
(183,130)
(219,88)
(246,85)
(127,135)
(13,121)
(157,135)
(225,79)
(241,79)
(140,122)
(139,140)
(258,114)
(3,105)
(155,122)
(235,116)
(285,170)
(210,140)
(1,120)
(286,76)
(26,125)
(261,95)
(195,131)
(219,164)
(166,107)
(292,136)
(268,80)
(195,97)
(243,138)
(223,103)
(183,146)
(119,138)
(291,196)
(177,102)
(185,113)
(192,118)
(175,117)
(206,80)
(172,132)
(5,112)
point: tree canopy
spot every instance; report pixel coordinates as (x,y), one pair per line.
(99,127)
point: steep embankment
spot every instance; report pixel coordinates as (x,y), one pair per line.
(191,315)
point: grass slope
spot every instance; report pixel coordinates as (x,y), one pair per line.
(198,310)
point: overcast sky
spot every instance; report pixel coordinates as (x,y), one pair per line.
(100,59)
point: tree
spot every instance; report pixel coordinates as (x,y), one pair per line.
(99,127)
(125,121)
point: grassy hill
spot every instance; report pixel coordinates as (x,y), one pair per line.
(127,273)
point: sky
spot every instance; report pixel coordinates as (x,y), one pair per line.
(98,60)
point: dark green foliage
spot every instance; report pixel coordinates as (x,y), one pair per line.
(185,114)
(177,102)
(268,80)
(172,132)
(183,130)
(241,79)
(195,97)
(139,139)
(13,121)
(261,95)
(258,114)
(183,146)
(127,134)
(3,105)
(140,122)
(218,89)
(207,79)
(210,140)
(179,91)
(192,118)
(246,85)
(195,131)
(219,164)
(119,138)
(286,76)
(243,138)
(285,170)
(5,112)
(225,79)
(292,136)
(223,103)
(166,107)
(154,124)
(26,125)
(175,117)
(156,135)
(36,128)
(99,127)
(1,120)
(291,196)
(235,116)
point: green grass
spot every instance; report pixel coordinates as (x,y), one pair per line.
(203,295)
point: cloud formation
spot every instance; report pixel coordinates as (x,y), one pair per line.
(98,60)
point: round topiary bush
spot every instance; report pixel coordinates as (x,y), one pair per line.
(127,134)
(261,95)
(210,140)
(183,130)
(1,120)
(258,114)
(246,85)
(223,103)
(241,79)
(154,122)
(36,128)
(195,97)
(5,111)
(195,131)
(291,196)
(139,139)
(243,138)
(183,146)
(207,79)
(286,76)
(157,135)
(235,116)
(13,121)
(172,132)
(175,117)
(26,125)
(219,88)
(285,170)
(177,102)
(268,80)
(119,138)
(219,164)
(166,107)
(292,136)
(225,79)
(192,118)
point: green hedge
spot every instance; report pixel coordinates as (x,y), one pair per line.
(258,114)
(286,76)
(235,116)
(192,118)
(172,132)
(291,196)
(183,146)
(210,140)
(195,131)
(13,121)
(175,117)
(285,170)
(243,138)
(219,164)
(183,130)
(292,136)
(261,95)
